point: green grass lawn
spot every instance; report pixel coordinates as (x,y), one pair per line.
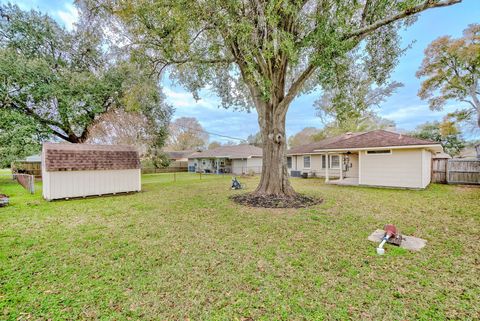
(183,250)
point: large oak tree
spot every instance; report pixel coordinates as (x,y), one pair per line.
(452,71)
(262,54)
(65,81)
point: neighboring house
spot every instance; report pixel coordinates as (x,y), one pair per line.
(469,152)
(179,156)
(374,158)
(179,159)
(236,159)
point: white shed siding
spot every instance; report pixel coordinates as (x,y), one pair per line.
(401,168)
(66,184)
(426,168)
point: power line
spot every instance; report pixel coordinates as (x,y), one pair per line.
(211,133)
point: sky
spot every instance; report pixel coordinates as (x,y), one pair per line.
(404,107)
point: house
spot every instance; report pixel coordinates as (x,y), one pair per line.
(236,159)
(374,158)
(179,159)
(79,170)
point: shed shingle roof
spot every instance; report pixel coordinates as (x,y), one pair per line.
(82,157)
(234,151)
(371,139)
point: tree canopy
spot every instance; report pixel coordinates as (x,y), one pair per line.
(452,71)
(353,96)
(19,137)
(263,54)
(445,134)
(186,133)
(305,136)
(65,80)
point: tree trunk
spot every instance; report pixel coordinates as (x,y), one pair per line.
(274,180)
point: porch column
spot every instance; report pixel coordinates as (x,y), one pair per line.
(340,160)
(326,167)
(217,160)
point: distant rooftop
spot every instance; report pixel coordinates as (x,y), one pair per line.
(233,151)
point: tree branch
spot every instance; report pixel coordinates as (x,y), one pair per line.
(297,85)
(428,4)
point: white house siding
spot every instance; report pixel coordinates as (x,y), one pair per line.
(401,168)
(192,164)
(67,184)
(254,165)
(426,168)
(315,168)
(239,166)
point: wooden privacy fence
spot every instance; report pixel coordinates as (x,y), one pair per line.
(31,168)
(456,171)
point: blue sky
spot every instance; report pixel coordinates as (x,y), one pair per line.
(404,107)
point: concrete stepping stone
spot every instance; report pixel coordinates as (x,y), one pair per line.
(411,243)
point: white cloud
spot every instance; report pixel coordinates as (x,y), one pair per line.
(69,16)
(185,100)
(411,116)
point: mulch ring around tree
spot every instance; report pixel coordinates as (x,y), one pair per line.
(269,201)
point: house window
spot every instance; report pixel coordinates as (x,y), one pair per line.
(324,161)
(289,162)
(334,161)
(306,161)
(203,162)
(379,152)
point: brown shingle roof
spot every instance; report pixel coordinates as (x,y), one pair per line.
(234,151)
(310,148)
(82,157)
(179,154)
(371,139)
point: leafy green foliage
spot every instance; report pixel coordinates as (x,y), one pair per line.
(452,71)
(366,122)
(65,80)
(353,95)
(444,133)
(19,137)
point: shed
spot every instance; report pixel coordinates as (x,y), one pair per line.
(80,170)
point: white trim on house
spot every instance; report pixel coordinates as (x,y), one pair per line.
(359,167)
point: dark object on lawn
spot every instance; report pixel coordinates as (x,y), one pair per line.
(304,175)
(236,184)
(3,200)
(392,236)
